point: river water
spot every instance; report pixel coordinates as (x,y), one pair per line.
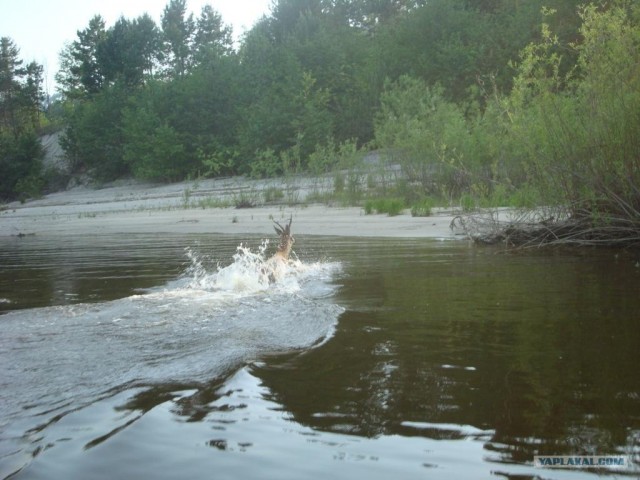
(174,357)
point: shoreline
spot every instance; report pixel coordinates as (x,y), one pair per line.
(148,209)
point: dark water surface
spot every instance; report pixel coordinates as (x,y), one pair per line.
(168,357)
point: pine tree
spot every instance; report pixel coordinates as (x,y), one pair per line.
(178,30)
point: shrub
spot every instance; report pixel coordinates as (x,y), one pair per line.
(467,203)
(21,166)
(273,194)
(245,200)
(266,164)
(338,183)
(423,208)
(581,130)
(427,134)
(390,206)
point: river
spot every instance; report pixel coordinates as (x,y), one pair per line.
(171,356)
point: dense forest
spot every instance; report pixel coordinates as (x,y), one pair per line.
(503,100)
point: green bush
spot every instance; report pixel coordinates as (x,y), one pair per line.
(163,159)
(424,208)
(21,166)
(217,160)
(428,135)
(580,131)
(467,202)
(94,138)
(245,200)
(390,206)
(266,164)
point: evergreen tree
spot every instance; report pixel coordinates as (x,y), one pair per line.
(178,31)
(129,50)
(20,105)
(33,92)
(21,94)
(11,73)
(81,74)
(212,38)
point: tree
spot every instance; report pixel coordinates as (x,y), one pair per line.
(369,14)
(147,39)
(20,103)
(212,38)
(153,149)
(33,93)
(81,74)
(21,93)
(338,57)
(425,131)
(178,30)
(580,131)
(21,165)
(93,139)
(286,14)
(270,76)
(310,74)
(198,112)
(129,50)
(442,42)
(11,72)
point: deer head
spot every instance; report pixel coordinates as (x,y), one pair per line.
(286,240)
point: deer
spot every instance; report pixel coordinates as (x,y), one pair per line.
(274,266)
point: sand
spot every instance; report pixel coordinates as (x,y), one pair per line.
(135,208)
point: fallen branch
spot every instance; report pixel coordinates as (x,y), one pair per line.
(537,228)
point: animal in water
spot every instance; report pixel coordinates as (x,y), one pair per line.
(275,265)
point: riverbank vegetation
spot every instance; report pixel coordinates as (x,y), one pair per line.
(466,103)
(21,96)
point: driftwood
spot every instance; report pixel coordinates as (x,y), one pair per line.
(536,228)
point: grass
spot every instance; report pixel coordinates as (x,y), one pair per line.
(350,197)
(423,208)
(525,196)
(273,195)
(245,200)
(211,202)
(390,206)
(467,202)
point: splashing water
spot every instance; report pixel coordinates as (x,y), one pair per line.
(251,273)
(247,274)
(203,325)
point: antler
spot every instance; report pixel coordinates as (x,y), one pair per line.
(280,230)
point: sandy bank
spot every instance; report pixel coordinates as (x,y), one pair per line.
(148,209)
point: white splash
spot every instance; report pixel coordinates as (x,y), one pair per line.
(204,325)
(250,273)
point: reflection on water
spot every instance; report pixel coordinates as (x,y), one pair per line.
(447,360)
(43,271)
(542,349)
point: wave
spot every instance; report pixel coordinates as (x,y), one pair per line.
(203,325)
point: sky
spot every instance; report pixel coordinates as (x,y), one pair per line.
(40,28)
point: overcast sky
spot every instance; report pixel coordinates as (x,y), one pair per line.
(40,28)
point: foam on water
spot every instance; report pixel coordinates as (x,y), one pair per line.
(249,274)
(201,326)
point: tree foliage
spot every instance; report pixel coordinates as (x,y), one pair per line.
(580,129)
(21,98)
(472,97)
(178,30)
(81,74)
